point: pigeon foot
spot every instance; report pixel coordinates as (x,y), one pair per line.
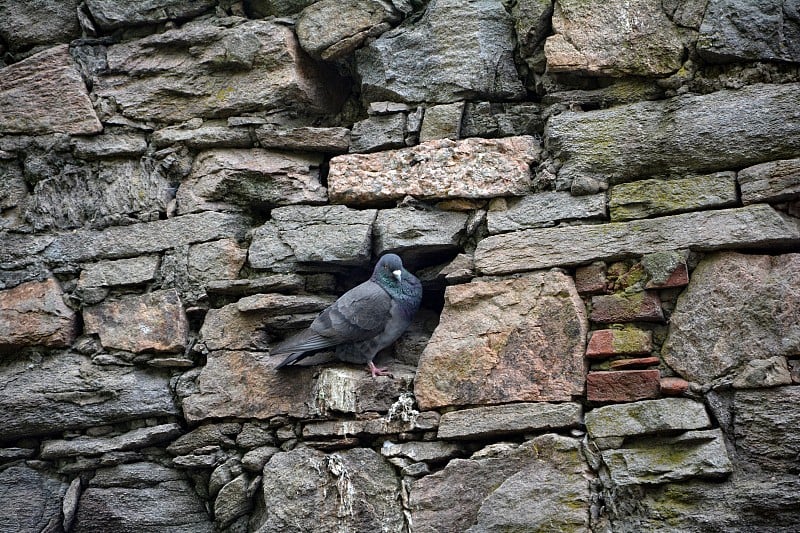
(375,371)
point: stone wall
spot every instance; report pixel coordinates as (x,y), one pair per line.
(600,198)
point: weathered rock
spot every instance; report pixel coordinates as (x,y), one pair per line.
(616,39)
(775,181)
(709,230)
(591,279)
(635,362)
(202,138)
(642,199)
(495,119)
(491,421)
(251,178)
(609,342)
(255,459)
(143,497)
(204,437)
(493,493)
(413,233)
(442,122)
(542,209)
(470,168)
(45,94)
(138,438)
(23,25)
(623,385)
(754,31)
(622,307)
(388,425)
(708,133)
(760,373)
(308,139)
(68,392)
(258,284)
(216,260)
(33,500)
(243,384)
(244,65)
(155,321)
(666,270)
(694,454)
(355,21)
(672,386)
(232,501)
(109,145)
(766,428)
(507,340)
(431,452)
(110,15)
(456,51)
(308,234)
(306,490)
(532,22)
(34,314)
(734,301)
(131,271)
(352,390)
(381,132)
(277,8)
(646,417)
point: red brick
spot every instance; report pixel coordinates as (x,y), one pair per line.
(622,385)
(674,386)
(633,363)
(629,341)
(591,279)
(640,306)
(678,278)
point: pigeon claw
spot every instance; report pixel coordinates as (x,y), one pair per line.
(375,371)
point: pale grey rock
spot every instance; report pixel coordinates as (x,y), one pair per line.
(307,490)
(259,284)
(334,140)
(691,455)
(33,499)
(46,94)
(654,197)
(442,122)
(775,181)
(70,504)
(439,169)
(131,271)
(414,233)
(206,436)
(734,300)
(244,66)
(456,51)
(202,138)
(718,131)
(216,260)
(356,20)
(431,452)
(542,209)
(232,501)
(646,417)
(501,119)
(494,493)
(132,440)
(68,392)
(753,31)
(110,15)
(762,373)
(109,145)
(45,22)
(756,225)
(380,132)
(255,459)
(766,428)
(491,421)
(387,425)
(352,390)
(35,314)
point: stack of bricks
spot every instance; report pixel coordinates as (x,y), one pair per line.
(625,307)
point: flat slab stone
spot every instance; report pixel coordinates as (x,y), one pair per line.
(775,181)
(110,15)
(307,139)
(138,438)
(23,25)
(506,340)
(542,209)
(34,314)
(109,145)
(623,385)
(353,390)
(46,94)
(646,417)
(756,225)
(491,421)
(119,272)
(438,169)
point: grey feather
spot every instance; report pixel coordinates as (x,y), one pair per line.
(364,320)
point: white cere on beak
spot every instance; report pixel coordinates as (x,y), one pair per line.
(397,274)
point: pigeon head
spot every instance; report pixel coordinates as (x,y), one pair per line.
(389,271)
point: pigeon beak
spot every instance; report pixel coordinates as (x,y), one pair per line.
(397,274)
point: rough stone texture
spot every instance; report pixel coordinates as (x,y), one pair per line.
(440,169)
(508,340)
(326,140)
(622,307)
(418,232)
(356,20)
(216,260)
(24,24)
(708,133)
(32,500)
(646,417)
(352,490)
(532,22)
(109,146)
(666,270)
(431,452)
(622,385)
(458,50)
(138,438)
(757,225)
(636,362)
(380,132)
(144,497)
(119,272)
(542,209)
(672,386)
(243,65)
(425,421)
(501,119)
(492,421)
(352,390)
(754,30)
(646,198)
(609,342)
(774,181)
(591,279)
(614,39)
(442,122)
(203,137)
(251,178)
(694,454)
(109,14)
(734,300)
(34,313)
(45,94)
(153,322)
(766,428)
(52,394)
(493,493)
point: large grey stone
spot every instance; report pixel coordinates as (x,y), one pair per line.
(494,493)
(352,390)
(646,417)
(307,138)
(207,136)
(775,181)
(417,232)
(138,438)
(110,15)
(46,94)
(381,132)
(26,24)
(756,225)
(109,145)
(491,421)
(31,500)
(34,314)
(215,68)
(766,429)
(66,391)
(734,300)
(542,209)
(723,130)
(352,490)
(457,50)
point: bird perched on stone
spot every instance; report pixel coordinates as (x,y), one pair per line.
(363,321)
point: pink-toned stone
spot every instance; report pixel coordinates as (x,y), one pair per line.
(591,279)
(671,386)
(622,385)
(438,169)
(678,278)
(629,341)
(622,364)
(506,340)
(152,322)
(640,306)
(34,314)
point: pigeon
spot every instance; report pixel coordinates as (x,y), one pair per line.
(363,321)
